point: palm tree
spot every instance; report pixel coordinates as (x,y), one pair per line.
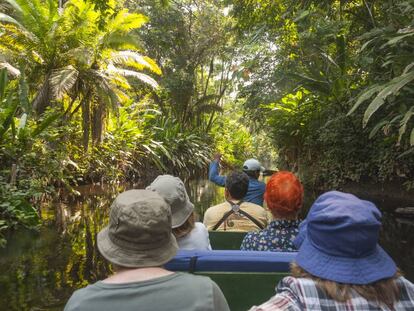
(74,60)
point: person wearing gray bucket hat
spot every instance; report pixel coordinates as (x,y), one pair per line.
(340,265)
(189,233)
(137,242)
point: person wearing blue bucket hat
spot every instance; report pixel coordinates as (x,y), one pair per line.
(340,265)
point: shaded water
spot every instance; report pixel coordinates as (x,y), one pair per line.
(40,270)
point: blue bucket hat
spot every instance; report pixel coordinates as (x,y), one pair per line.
(338,241)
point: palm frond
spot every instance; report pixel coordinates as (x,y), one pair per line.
(125,22)
(4,18)
(135,60)
(206,99)
(10,69)
(206,108)
(14,5)
(119,41)
(62,80)
(130,73)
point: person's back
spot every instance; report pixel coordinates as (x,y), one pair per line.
(235,214)
(197,238)
(176,291)
(255,191)
(236,222)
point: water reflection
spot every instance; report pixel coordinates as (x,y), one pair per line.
(40,270)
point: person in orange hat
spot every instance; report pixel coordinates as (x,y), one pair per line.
(284,197)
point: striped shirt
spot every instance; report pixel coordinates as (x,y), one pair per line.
(297,294)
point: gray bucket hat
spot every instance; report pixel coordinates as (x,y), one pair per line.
(173,191)
(139,231)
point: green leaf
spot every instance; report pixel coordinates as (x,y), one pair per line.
(10,112)
(376,128)
(396,39)
(412,138)
(130,73)
(15,5)
(408,67)
(364,46)
(367,94)
(136,60)
(302,15)
(403,123)
(45,123)
(390,88)
(24,93)
(8,19)
(23,120)
(405,153)
(3,84)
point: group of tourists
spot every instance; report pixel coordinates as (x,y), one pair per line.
(339,264)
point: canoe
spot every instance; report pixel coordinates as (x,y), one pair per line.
(246,278)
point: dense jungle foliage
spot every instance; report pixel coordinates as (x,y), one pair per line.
(110,92)
(105,91)
(334,81)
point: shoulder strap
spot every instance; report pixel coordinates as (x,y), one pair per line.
(254,220)
(239,210)
(223,219)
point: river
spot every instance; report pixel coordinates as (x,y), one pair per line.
(39,270)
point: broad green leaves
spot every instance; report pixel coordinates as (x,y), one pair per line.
(392,94)
(391,88)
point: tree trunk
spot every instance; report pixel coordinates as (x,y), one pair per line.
(43,97)
(86,121)
(97,125)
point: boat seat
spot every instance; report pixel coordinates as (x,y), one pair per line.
(226,239)
(246,278)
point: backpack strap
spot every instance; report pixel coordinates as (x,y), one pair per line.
(235,208)
(254,220)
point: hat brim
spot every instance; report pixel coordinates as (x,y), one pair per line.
(301,235)
(180,217)
(135,258)
(361,271)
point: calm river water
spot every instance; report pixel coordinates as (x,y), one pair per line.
(40,270)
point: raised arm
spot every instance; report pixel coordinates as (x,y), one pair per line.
(213,174)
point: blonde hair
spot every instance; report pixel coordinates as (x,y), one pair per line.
(383,291)
(186,227)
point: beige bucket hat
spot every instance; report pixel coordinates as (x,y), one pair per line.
(173,191)
(139,231)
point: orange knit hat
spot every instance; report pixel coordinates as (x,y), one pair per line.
(284,194)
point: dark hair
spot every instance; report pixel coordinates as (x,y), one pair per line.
(252,174)
(237,184)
